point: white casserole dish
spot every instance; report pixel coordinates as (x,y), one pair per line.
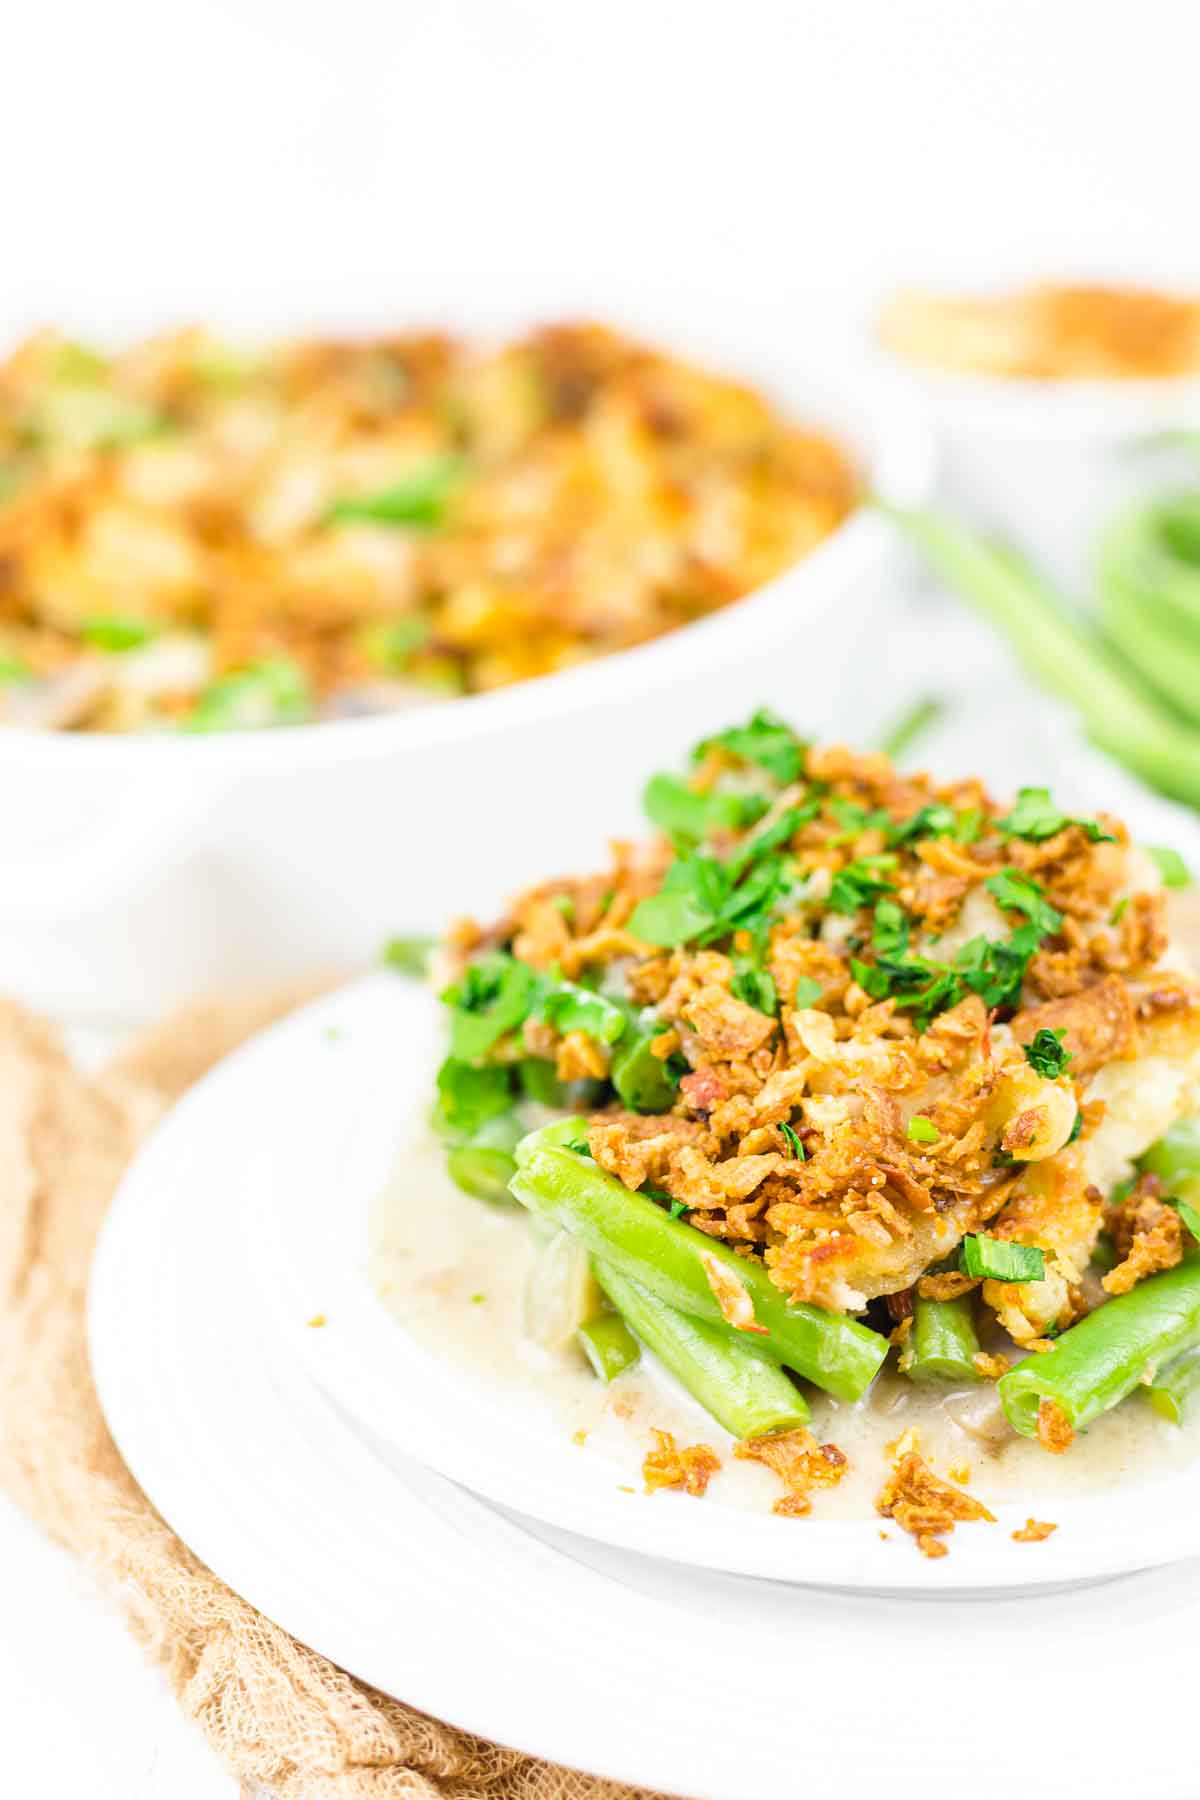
(140,871)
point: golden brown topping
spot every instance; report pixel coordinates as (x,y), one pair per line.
(991,1367)
(579,1057)
(1098,1024)
(921,1502)
(737,1308)
(835,1013)
(949,1286)
(800,1463)
(1054,1431)
(1050,332)
(690,1468)
(1148,1235)
(1034,1531)
(727,1028)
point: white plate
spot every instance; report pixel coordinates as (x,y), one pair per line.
(707,1685)
(310,1117)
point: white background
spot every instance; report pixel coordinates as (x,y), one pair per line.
(264,160)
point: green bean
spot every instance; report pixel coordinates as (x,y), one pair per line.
(1096,1363)
(1175,1158)
(642,1079)
(632,1234)
(1104,1254)
(482,1172)
(1120,715)
(1150,602)
(1173,1388)
(609,1345)
(943,1344)
(539,1081)
(745,1391)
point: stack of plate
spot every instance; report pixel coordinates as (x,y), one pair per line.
(480,1568)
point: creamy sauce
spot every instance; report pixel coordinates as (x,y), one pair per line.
(452,1270)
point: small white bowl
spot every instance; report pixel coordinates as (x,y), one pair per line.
(1044,464)
(140,871)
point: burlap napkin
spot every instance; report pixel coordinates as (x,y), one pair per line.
(279,1715)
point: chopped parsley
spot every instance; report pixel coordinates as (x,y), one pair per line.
(860,883)
(780,831)
(791,1139)
(855,819)
(1019,892)
(754,986)
(889,934)
(996,1259)
(1046,1053)
(1170,865)
(391,644)
(569,1008)
(1188,1214)
(497,993)
(921,1130)
(419,500)
(1035,818)
(468,1097)
(115,633)
(682,813)
(494,995)
(702,897)
(929,821)
(689,902)
(678,1207)
(766,741)
(807,993)
(645,1082)
(409,955)
(995,970)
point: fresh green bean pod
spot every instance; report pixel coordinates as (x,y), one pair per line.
(1173,1388)
(1175,1158)
(609,1345)
(539,1081)
(743,1388)
(1096,1363)
(642,1079)
(943,1344)
(1120,715)
(632,1234)
(482,1172)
